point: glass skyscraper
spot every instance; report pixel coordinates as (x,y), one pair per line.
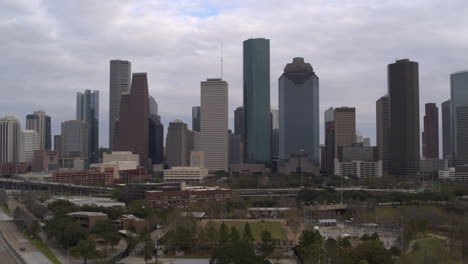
(87,109)
(256,55)
(459,107)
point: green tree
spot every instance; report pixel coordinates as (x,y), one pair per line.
(234,235)
(267,242)
(181,238)
(107,231)
(85,249)
(310,237)
(223,233)
(3,198)
(140,208)
(247,235)
(212,234)
(236,252)
(65,231)
(34,228)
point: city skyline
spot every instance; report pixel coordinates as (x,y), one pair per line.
(434,72)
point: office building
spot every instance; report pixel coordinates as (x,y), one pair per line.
(256,86)
(403,96)
(345,127)
(446,131)
(119,83)
(299,111)
(459,123)
(155,140)
(45,160)
(87,109)
(9,139)
(193,143)
(430,135)
(197,159)
(74,143)
(383,130)
(121,156)
(176,144)
(85,177)
(358,168)
(214,140)
(235,149)
(239,121)
(366,141)
(41,123)
(28,143)
(358,152)
(196,118)
(185,174)
(132,128)
(153,106)
(329,118)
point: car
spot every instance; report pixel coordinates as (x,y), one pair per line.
(22,248)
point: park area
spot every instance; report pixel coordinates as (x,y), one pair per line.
(430,250)
(258,226)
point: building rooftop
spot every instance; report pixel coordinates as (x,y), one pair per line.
(87,213)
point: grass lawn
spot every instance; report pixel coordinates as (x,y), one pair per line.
(6,210)
(434,249)
(275,228)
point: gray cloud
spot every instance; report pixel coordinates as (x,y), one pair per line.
(53,49)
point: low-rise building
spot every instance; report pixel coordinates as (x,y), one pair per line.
(120,156)
(131,222)
(87,219)
(85,177)
(185,174)
(448,174)
(45,160)
(358,168)
(136,191)
(118,166)
(246,169)
(88,200)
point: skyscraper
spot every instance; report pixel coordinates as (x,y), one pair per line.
(459,103)
(155,140)
(119,83)
(193,143)
(239,121)
(256,56)
(87,109)
(345,127)
(28,143)
(9,139)
(41,123)
(403,95)
(329,141)
(446,131)
(382,129)
(153,106)
(214,140)
(74,144)
(299,111)
(430,135)
(176,144)
(196,118)
(132,128)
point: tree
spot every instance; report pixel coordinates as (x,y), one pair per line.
(267,242)
(235,252)
(234,235)
(212,234)
(3,198)
(140,208)
(34,228)
(310,237)
(247,235)
(107,231)
(65,231)
(223,233)
(85,249)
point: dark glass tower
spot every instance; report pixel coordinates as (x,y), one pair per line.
(459,123)
(383,126)
(156,140)
(239,121)
(446,131)
(403,94)
(87,109)
(430,136)
(256,55)
(196,118)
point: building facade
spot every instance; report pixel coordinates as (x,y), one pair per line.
(239,121)
(345,127)
(328,161)
(299,111)
(196,111)
(132,128)
(85,177)
(446,131)
(87,109)
(185,174)
(74,142)
(9,139)
(119,83)
(383,129)
(41,123)
(186,196)
(176,144)
(155,140)
(459,124)
(214,140)
(430,135)
(256,74)
(28,143)
(403,95)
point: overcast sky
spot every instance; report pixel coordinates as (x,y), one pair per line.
(53,49)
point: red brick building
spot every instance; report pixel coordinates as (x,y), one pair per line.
(45,160)
(85,177)
(196,195)
(132,129)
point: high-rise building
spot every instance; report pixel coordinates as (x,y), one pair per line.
(87,109)
(459,103)
(274,117)
(155,140)
(28,143)
(193,143)
(132,128)
(9,139)
(214,140)
(403,96)
(446,131)
(176,144)
(383,129)
(345,127)
(299,111)
(239,121)
(153,106)
(256,72)
(41,123)
(366,141)
(329,141)
(235,149)
(119,83)
(430,135)
(74,143)
(196,118)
